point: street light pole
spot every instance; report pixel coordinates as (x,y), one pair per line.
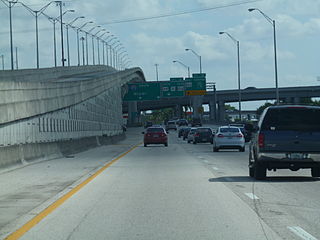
(157,73)
(189,49)
(187,67)
(273,23)
(67,30)
(59,3)
(78,44)
(98,43)
(82,40)
(239,74)
(10,5)
(36,13)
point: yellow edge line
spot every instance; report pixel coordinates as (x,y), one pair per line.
(35,220)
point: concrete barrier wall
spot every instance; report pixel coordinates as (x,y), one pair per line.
(27,153)
(45,74)
(43,119)
(20,100)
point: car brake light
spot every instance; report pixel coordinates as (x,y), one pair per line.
(261,140)
(197,134)
(240,135)
(220,135)
(148,135)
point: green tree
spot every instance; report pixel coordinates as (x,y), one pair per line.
(264,106)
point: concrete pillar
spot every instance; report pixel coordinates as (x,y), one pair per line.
(196,105)
(132,113)
(178,111)
(221,111)
(296,100)
(213,110)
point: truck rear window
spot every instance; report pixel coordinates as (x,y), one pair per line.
(295,119)
(152,130)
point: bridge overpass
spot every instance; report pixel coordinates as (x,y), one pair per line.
(216,100)
(44,110)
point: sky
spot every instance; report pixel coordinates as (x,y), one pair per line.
(163,40)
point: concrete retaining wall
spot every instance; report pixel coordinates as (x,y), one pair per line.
(26,153)
(23,99)
(45,74)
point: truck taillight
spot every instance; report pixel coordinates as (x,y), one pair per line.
(261,140)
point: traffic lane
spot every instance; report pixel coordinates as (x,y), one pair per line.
(153,193)
(285,198)
(27,190)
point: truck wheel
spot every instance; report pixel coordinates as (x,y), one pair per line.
(145,145)
(194,142)
(242,149)
(215,149)
(166,144)
(260,172)
(315,172)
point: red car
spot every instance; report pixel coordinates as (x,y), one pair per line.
(155,135)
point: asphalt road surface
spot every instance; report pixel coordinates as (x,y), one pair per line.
(183,191)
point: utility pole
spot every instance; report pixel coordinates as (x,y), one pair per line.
(17,58)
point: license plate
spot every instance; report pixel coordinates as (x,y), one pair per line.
(156,135)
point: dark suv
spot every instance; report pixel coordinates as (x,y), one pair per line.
(287,137)
(196,122)
(203,135)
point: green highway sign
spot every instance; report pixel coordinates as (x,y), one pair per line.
(172,89)
(143,91)
(176,87)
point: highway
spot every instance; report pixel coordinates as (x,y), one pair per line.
(184,191)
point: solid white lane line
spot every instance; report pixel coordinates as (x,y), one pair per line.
(215,168)
(302,233)
(252,196)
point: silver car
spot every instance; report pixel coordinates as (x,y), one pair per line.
(190,137)
(228,137)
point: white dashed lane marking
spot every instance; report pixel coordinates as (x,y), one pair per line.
(301,233)
(252,196)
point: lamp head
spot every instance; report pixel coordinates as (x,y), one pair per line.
(71,10)
(221,32)
(187,49)
(82,17)
(251,9)
(174,61)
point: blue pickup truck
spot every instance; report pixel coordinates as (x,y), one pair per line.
(287,137)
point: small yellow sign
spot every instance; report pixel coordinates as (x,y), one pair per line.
(195,92)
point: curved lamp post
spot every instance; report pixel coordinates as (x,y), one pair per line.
(189,49)
(67,31)
(187,67)
(36,14)
(239,80)
(273,23)
(78,44)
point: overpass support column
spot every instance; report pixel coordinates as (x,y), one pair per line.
(296,100)
(197,106)
(288,100)
(178,111)
(213,110)
(221,111)
(132,113)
